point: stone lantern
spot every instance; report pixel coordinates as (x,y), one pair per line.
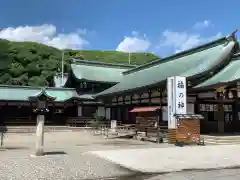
(41,109)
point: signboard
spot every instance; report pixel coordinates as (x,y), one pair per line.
(181,95)
(113,125)
(177,99)
(171,103)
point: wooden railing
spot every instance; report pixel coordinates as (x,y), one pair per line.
(151,131)
(23,121)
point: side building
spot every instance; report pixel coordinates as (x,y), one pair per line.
(74,95)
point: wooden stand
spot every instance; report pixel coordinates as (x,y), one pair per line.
(172,136)
(188,129)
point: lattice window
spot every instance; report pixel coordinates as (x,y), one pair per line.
(227,108)
(228,117)
(208,107)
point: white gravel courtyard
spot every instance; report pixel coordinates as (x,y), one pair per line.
(68,161)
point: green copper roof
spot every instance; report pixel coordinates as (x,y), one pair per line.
(228,74)
(22,93)
(42,93)
(98,72)
(61,94)
(16,93)
(189,63)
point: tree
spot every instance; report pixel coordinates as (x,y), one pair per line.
(34,64)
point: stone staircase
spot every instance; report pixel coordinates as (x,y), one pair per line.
(221,140)
(32,129)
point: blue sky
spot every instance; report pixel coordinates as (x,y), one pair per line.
(162,27)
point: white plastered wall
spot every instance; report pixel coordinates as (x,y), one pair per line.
(101,111)
(79,110)
(108,113)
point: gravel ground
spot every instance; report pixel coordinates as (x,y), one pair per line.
(68,160)
(223,174)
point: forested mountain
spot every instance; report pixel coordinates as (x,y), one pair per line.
(34,64)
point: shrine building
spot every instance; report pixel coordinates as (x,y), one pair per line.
(112,90)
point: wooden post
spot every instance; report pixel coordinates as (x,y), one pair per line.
(158,129)
(159,115)
(40,135)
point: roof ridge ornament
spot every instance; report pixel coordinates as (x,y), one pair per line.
(232,36)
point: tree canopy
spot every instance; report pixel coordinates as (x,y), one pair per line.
(34,64)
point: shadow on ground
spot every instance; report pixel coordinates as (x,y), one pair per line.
(115,143)
(55,153)
(13,148)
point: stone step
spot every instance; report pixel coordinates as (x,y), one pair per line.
(221,137)
(220,143)
(221,140)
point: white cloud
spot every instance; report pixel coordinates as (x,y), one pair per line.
(203,24)
(181,41)
(178,41)
(134,43)
(46,34)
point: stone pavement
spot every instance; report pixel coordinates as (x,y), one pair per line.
(223,174)
(172,159)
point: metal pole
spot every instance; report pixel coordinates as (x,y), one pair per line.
(62,66)
(129,57)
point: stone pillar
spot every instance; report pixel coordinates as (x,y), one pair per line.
(40,135)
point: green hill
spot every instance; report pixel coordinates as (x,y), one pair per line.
(34,64)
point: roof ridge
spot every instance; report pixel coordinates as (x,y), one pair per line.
(236,55)
(34,87)
(178,55)
(88,62)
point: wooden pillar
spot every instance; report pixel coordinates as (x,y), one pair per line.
(235,117)
(220,118)
(159,118)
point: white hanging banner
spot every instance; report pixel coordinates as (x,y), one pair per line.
(171,103)
(177,99)
(181,95)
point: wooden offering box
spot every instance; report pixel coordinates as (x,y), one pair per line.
(188,128)
(148,122)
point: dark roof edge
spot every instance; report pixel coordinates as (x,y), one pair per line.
(35,87)
(178,55)
(236,55)
(99,95)
(86,62)
(43,93)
